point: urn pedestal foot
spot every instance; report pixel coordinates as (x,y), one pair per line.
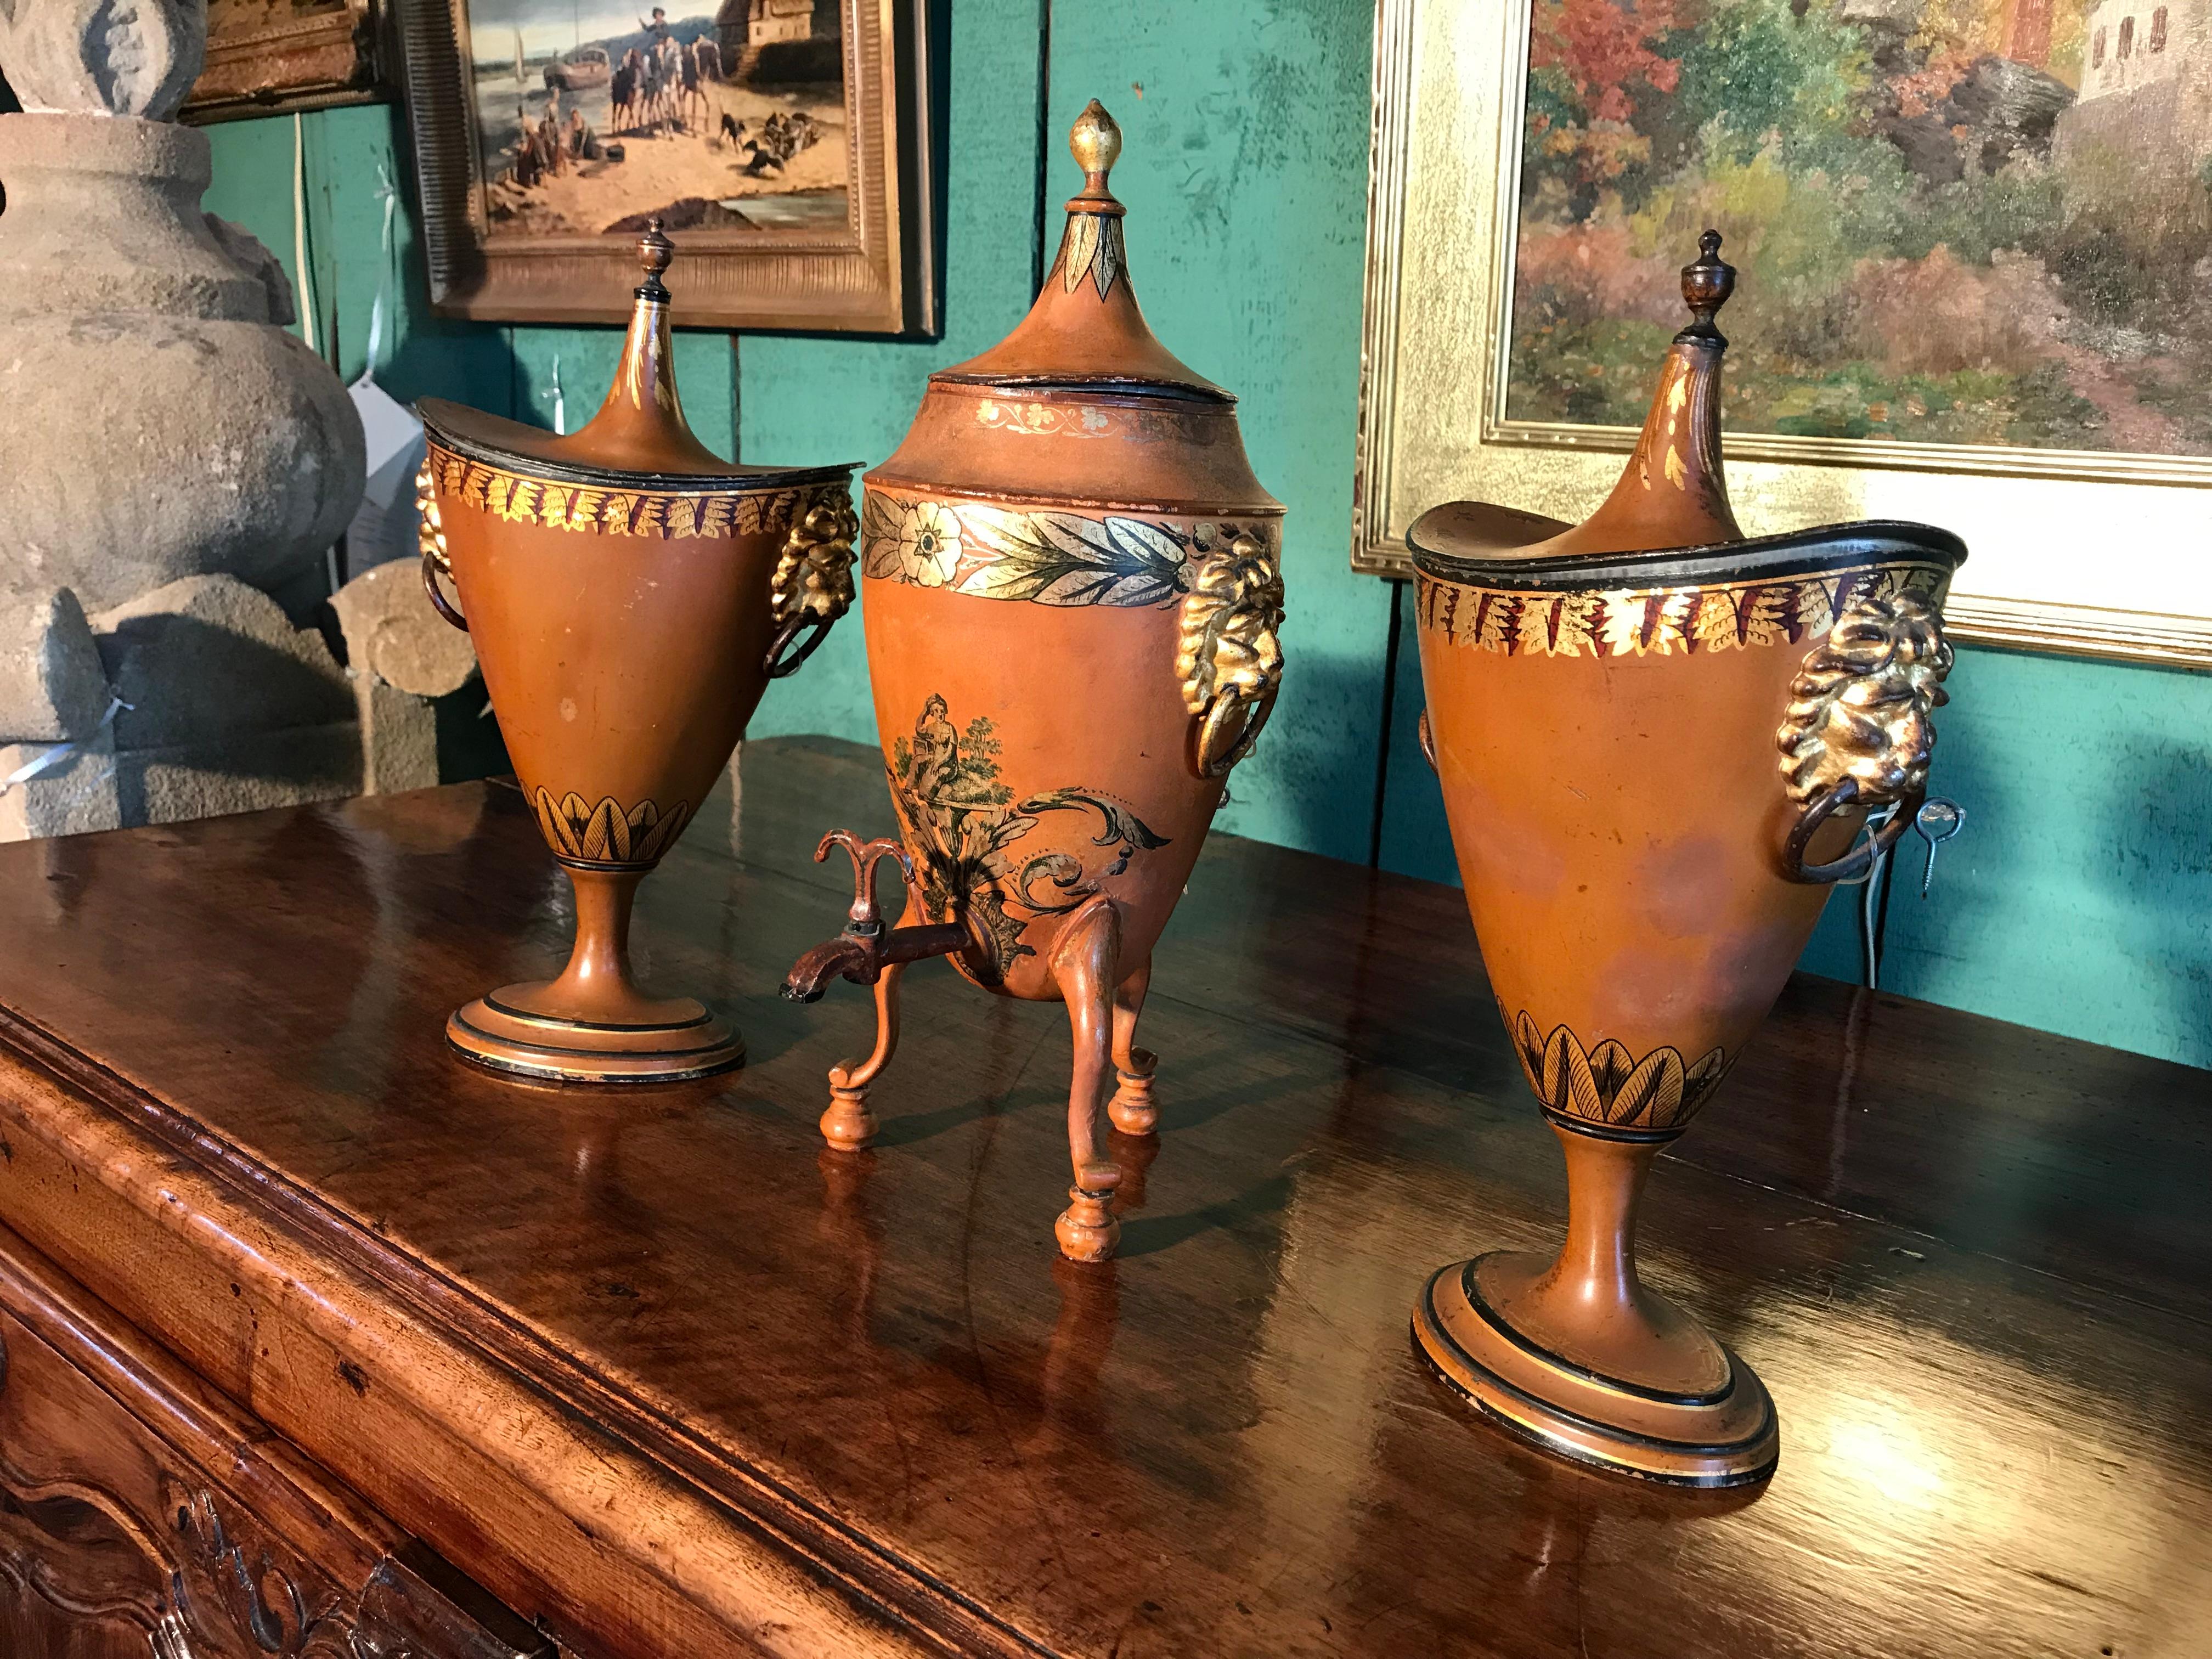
(593,1024)
(1727,1439)
(1575,1355)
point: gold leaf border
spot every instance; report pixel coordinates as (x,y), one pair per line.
(669,515)
(1663,620)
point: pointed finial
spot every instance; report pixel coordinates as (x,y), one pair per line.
(1096,142)
(654,251)
(1707,282)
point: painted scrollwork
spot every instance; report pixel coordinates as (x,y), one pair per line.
(962,825)
(1860,730)
(812,586)
(1228,660)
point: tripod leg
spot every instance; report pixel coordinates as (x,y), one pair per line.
(1132,1108)
(849,1124)
(1084,965)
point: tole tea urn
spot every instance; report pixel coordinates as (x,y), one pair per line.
(1071,585)
(1658,742)
(630,595)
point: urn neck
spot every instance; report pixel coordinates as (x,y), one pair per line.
(1673,492)
(641,427)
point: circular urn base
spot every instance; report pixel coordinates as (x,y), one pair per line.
(516,1030)
(1701,1418)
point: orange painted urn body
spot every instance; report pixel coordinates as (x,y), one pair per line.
(630,595)
(1072,589)
(1657,742)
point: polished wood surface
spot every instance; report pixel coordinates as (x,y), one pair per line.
(664,1374)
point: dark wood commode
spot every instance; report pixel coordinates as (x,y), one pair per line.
(321,1342)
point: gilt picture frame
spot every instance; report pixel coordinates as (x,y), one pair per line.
(789,148)
(2091,551)
(276,57)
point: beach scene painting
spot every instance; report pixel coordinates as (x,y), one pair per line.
(593,118)
(1979,223)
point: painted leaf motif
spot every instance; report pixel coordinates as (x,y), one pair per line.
(1108,265)
(1066,559)
(1650,1096)
(880,521)
(1607,1085)
(1077,248)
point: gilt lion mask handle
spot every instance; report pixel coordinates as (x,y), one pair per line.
(1861,730)
(1229,658)
(813,583)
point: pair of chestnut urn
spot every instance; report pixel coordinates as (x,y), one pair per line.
(1606,704)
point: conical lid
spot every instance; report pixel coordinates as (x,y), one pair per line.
(1668,518)
(639,436)
(1085,329)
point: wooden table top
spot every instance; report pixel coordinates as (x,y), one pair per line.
(1973,1262)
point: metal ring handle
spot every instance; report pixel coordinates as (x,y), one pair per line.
(809,627)
(1860,859)
(1220,747)
(437,594)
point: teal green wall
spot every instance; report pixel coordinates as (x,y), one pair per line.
(2080,897)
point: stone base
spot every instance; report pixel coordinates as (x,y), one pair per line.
(242,773)
(74,796)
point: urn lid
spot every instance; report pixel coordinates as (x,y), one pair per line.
(1081,405)
(1085,329)
(639,437)
(1668,518)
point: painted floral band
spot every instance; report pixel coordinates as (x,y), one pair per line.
(1790,610)
(1047,557)
(711,516)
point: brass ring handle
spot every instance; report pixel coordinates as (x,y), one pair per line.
(1427,739)
(437,594)
(1860,859)
(1219,745)
(808,628)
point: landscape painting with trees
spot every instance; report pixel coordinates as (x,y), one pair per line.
(1957,222)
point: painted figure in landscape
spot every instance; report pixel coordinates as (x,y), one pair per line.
(593,120)
(1960,221)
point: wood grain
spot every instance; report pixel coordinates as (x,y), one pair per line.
(665,1375)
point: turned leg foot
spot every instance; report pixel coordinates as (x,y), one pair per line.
(1084,964)
(1088,1230)
(1133,1110)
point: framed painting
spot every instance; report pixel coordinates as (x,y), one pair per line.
(783,144)
(264,56)
(1975,246)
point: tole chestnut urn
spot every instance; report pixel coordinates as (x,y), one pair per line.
(1658,742)
(1072,591)
(630,594)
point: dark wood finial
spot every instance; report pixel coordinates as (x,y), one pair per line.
(654,251)
(1707,282)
